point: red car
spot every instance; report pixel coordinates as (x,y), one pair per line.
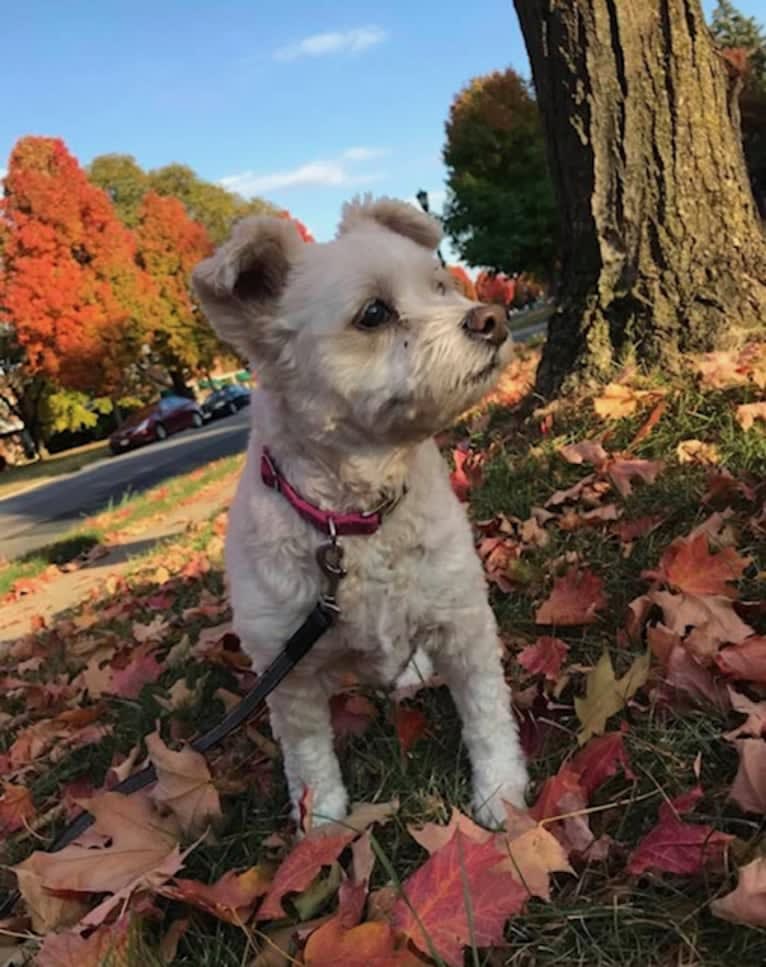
(156,422)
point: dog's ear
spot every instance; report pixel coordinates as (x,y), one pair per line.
(240,284)
(396,216)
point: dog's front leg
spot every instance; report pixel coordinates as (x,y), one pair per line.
(468,659)
(300,719)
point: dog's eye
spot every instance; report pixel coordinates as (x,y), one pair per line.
(374,314)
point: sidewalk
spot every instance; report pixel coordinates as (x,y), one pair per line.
(67,590)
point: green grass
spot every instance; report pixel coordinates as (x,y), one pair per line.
(17,478)
(601,917)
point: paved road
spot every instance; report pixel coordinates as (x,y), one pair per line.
(39,516)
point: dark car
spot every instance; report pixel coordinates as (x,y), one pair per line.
(155,422)
(225,401)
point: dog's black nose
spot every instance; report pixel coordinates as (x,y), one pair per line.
(487,323)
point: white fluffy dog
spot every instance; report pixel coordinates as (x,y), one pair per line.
(363,350)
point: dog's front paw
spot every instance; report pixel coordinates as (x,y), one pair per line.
(489,799)
(330,806)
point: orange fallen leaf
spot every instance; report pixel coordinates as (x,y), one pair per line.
(748,413)
(688,566)
(231,898)
(745,660)
(16,808)
(410,724)
(696,451)
(367,945)
(433,836)
(575,600)
(532,853)
(618,400)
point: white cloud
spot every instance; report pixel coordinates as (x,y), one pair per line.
(333,172)
(333,42)
(3,173)
(364,154)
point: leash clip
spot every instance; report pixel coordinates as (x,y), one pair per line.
(330,560)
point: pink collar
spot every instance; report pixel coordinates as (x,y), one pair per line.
(326,521)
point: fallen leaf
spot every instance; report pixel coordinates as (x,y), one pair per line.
(673,846)
(745,660)
(695,451)
(755,723)
(455,898)
(171,938)
(468,472)
(653,419)
(142,853)
(748,413)
(681,671)
(599,760)
(231,898)
(618,400)
(16,808)
(747,903)
(605,695)
(352,714)
(562,805)
(433,836)
(141,669)
(712,615)
(623,472)
(410,724)
(367,945)
(631,530)
(532,855)
(687,565)
(155,630)
(749,787)
(184,785)
(724,487)
(544,657)
(575,600)
(321,847)
(105,946)
(587,451)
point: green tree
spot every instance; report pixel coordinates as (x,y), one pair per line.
(211,205)
(742,41)
(500,210)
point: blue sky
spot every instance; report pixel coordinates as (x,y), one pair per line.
(302,102)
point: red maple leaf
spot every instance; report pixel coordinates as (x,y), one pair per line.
(544,657)
(16,808)
(141,668)
(410,724)
(599,760)
(674,846)
(301,866)
(455,899)
(564,795)
(575,600)
(468,472)
(231,898)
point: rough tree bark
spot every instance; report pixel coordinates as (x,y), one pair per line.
(662,251)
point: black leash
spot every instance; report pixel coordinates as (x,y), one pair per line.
(312,629)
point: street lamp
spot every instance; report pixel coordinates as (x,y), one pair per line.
(422,198)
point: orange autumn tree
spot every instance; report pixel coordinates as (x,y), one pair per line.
(463,281)
(70,291)
(170,244)
(304,233)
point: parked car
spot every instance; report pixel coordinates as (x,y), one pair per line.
(156,422)
(225,401)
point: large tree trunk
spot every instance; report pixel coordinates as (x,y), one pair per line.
(662,252)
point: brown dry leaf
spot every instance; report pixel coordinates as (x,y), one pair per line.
(184,785)
(624,470)
(755,723)
(533,853)
(106,947)
(748,413)
(587,451)
(142,853)
(16,808)
(605,695)
(710,615)
(747,903)
(695,451)
(433,837)
(749,787)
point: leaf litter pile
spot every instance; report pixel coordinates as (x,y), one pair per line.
(624,542)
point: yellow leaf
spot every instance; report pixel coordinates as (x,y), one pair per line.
(605,695)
